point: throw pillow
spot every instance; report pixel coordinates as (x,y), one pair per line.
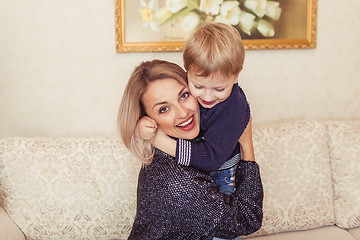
(296,176)
(69,188)
(345,162)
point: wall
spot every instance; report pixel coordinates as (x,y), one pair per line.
(60,75)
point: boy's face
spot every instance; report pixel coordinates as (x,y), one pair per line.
(212,89)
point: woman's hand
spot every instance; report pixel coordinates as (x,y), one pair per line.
(146,128)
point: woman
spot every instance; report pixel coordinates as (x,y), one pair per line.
(174,201)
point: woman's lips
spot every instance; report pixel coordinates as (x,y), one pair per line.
(187,125)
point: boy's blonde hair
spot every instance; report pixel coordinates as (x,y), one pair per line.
(212,48)
(131,108)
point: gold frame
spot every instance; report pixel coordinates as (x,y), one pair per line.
(174,46)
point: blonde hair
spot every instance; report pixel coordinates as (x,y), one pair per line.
(131,108)
(214,47)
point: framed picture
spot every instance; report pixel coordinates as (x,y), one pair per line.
(164,25)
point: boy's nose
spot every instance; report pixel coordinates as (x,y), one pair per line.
(207,96)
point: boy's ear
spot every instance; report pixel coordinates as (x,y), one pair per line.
(236,77)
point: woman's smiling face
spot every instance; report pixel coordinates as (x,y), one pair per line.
(173,108)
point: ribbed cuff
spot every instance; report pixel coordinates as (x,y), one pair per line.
(183,152)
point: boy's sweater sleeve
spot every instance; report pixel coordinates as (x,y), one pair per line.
(223,126)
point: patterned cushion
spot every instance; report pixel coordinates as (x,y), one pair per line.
(2,195)
(295,170)
(345,161)
(81,188)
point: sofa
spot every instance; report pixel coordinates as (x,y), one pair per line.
(85,188)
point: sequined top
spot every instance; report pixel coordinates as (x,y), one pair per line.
(176,202)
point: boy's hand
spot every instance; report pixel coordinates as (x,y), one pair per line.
(146,128)
(246,143)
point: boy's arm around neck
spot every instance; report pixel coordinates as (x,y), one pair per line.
(164,142)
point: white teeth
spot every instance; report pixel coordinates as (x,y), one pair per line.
(185,123)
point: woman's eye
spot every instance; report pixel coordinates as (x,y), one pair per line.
(163,110)
(185,95)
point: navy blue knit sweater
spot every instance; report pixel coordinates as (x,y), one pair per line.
(221,127)
(176,202)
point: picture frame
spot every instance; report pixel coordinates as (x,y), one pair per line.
(293,24)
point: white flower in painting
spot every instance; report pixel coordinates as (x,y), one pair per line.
(175,5)
(265,28)
(161,14)
(273,10)
(147,14)
(210,6)
(229,13)
(246,22)
(190,21)
(257,6)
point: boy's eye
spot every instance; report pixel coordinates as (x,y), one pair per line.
(185,95)
(198,87)
(163,109)
(220,89)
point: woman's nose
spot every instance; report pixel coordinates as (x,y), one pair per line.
(182,111)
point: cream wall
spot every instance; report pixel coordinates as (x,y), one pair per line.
(60,75)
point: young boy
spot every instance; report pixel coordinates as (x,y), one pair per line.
(213,57)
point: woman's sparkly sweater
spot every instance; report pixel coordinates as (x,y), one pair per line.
(176,202)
